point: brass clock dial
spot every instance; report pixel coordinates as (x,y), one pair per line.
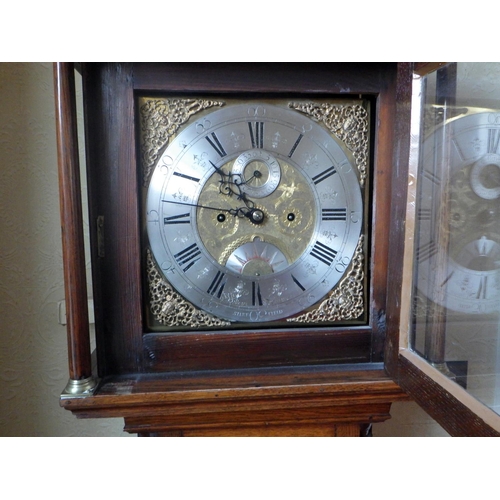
(255,211)
(459,215)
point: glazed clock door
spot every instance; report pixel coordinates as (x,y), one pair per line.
(450,317)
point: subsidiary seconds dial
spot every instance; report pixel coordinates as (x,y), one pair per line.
(254,212)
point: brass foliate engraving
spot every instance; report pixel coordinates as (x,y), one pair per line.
(291,196)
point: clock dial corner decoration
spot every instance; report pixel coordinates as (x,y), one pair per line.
(255,211)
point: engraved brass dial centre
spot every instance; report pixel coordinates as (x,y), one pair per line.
(270,220)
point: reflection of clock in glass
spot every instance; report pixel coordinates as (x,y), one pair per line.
(459,215)
(255,213)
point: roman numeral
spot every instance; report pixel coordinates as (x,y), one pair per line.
(434,178)
(257,134)
(215,143)
(217,285)
(324,175)
(493,140)
(188,177)
(426,251)
(458,149)
(323,253)
(448,278)
(298,283)
(177,219)
(424,214)
(481,292)
(256,296)
(334,214)
(295,146)
(188,256)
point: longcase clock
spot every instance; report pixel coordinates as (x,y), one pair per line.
(240,222)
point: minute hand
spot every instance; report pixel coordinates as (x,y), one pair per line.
(255,215)
(233,211)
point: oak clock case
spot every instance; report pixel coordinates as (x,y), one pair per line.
(254,211)
(299,173)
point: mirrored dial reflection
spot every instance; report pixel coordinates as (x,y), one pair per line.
(254,213)
(469,236)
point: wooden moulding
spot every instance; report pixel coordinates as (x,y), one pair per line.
(454,416)
(423,68)
(275,348)
(285,401)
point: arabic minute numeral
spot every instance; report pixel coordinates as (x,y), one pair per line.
(342,264)
(355,216)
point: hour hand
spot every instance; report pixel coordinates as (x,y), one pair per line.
(217,169)
(230,184)
(225,178)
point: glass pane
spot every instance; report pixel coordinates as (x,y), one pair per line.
(456,298)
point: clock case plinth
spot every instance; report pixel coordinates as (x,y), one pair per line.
(310,379)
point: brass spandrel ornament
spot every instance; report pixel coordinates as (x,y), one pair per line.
(160,121)
(255,212)
(346,302)
(347,122)
(171,309)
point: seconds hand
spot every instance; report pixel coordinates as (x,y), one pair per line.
(254,214)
